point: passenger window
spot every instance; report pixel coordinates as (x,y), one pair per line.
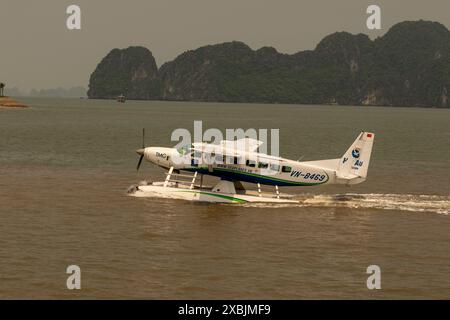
(286,169)
(251,163)
(263,165)
(274,167)
(220,159)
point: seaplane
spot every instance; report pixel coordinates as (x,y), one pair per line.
(238,161)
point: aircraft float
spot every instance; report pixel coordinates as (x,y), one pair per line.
(239,161)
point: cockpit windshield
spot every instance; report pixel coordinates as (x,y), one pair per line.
(183,150)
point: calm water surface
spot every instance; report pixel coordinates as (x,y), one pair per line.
(65,165)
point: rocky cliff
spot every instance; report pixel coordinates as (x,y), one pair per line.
(408,66)
(130,71)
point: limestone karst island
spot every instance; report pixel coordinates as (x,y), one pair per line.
(408,66)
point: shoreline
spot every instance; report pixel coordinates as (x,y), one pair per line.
(11,103)
(278,103)
(8,102)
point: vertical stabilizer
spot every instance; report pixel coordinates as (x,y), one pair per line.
(355,161)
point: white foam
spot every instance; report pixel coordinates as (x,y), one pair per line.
(400,202)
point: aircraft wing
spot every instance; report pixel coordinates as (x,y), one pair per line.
(229,147)
(244,144)
(217,149)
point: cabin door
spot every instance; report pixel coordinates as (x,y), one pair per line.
(195,158)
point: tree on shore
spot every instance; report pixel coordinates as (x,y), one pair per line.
(2,86)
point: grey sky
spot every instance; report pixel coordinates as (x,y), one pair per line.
(37,51)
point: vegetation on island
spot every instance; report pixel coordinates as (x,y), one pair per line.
(408,66)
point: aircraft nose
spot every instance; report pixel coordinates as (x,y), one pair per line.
(140,151)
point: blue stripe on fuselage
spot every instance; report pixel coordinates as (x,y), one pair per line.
(241,176)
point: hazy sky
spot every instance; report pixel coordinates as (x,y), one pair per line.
(38,51)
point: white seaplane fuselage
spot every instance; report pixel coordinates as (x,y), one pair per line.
(234,163)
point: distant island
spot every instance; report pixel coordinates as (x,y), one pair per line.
(59,92)
(408,66)
(73,92)
(8,102)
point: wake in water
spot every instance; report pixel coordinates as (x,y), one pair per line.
(402,202)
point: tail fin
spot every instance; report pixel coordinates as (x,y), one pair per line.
(355,162)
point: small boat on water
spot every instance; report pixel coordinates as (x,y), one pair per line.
(121,99)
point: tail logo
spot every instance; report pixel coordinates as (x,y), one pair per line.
(355,153)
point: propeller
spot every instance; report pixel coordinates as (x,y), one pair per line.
(141,151)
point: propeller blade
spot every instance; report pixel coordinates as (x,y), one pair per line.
(139,163)
(141,151)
